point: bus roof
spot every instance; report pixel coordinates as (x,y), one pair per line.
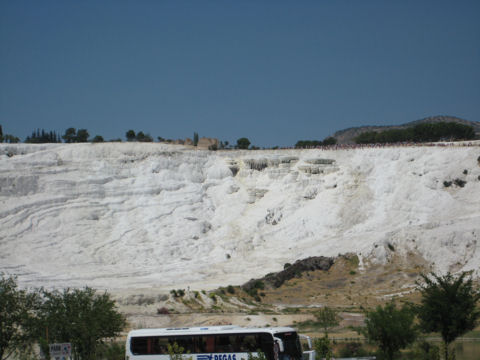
(207,330)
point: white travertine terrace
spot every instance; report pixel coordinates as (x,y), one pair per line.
(133,215)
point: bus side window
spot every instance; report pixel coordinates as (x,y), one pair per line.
(161,346)
(223,344)
(201,345)
(210,341)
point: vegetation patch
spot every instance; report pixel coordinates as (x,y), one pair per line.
(459,182)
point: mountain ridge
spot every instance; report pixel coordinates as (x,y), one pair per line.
(347,136)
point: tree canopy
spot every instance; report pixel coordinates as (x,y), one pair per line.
(447,131)
(448,306)
(79,316)
(326,318)
(391,328)
(82,317)
(16,317)
(314,143)
(41,137)
(73,136)
(243,143)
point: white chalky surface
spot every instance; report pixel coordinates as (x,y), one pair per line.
(124,216)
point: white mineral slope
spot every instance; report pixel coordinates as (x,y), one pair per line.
(124,216)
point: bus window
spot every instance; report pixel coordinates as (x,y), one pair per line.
(210,341)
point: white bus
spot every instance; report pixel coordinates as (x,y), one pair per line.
(218,343)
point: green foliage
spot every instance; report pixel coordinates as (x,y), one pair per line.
(326,318)
(81,317)
(352,349)
(73,136)
(231,289)
(260,356)
(307,144)
(390,328)
(176,352)
(16,318)
(323,348)
(329,141)
(460,182)
(41,137)
(213,297)
(82,135)
(130,135)
(111,351)
(448,306)
(195,139)
(141,137)
(243,143)
(8,138)
(259,284)
(301,144)
(426,351)
(11,139)
(178,293)
(70,135)
(419,133)
(98,139)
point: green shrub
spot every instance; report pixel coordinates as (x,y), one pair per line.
(260,356)
(111,351)
(351,349)
(460,182)
(231,289)
(323,348)
(259,285)
(426,351)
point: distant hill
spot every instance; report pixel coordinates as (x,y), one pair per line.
(347,136)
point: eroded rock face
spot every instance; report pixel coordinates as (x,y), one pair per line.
(300,266)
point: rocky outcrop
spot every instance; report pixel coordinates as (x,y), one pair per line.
(291,271)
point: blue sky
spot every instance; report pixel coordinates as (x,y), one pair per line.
(273,71)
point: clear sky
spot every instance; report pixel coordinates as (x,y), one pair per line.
(273,71)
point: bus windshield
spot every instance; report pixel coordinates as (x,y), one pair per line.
(291,343)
